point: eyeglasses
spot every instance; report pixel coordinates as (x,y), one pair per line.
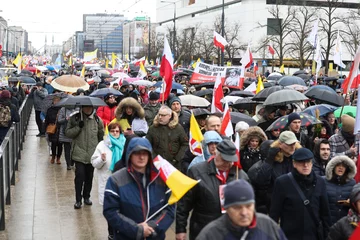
(114,131)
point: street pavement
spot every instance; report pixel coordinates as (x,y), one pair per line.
(43,197)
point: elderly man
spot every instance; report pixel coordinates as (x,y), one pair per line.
(300,201)
(213,122)
(203,200)
(241,220)
(167,136)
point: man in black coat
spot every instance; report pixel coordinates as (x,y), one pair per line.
(294,125)
(288,207)
(203,199)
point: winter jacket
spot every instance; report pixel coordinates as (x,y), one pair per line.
(318,164)
(138,124)
(85,139)
(184,120)
(339,146)
(341,230)
(339,190)
(262,228)
(107,114)
(15,117)
(150,113)
(288,207)
(248,157)
(203,199)
(51,118)
(62,122)
(169,141)
(102,167)
(125,204)
(38,95)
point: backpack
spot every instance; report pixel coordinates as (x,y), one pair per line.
(5,115)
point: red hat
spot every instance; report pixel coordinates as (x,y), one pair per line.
(5,94)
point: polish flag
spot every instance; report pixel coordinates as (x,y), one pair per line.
(166,70)
(251,88)
(247,59)
(256,68)
(237,145)
(137,62)
(354,73)
(271,49)
(226,125)
(219,41)
(218,94)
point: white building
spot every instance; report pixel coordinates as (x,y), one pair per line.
(249,13)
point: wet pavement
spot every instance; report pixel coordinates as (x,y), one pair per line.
(43,197)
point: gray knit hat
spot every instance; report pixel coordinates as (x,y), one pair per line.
(238,192)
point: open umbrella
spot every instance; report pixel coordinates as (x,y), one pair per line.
(200,112)
(232,99)
(322,87)
(328,79)
(300,72)
(104,71)
(274,78)
(156,74)
(25,72)
(283,97)
(206,85)
(237,117)
(349,110)
(281,123)
(145,83)
(297,87)
(275,74)
(95,68)
(48,100)
(23,79)
(245,103)
(105,91)
(242,94)
(69,83)
(325,96)
(323,109)
(305,77)
(50,68)
(263,94)
(194,101)
(204,92)
(120,75)
(81,101)
(175,85)
(290,80)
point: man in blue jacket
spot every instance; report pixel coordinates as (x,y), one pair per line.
(135,193)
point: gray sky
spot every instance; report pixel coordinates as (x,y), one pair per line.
(62,18)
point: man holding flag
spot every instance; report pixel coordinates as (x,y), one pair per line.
(203,199)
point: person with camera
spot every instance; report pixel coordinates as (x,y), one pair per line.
(38,93)
(86,130)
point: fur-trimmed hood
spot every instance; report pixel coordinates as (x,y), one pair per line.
(280,156)
(252,132)
(329,171)
(129,102)
(173,121)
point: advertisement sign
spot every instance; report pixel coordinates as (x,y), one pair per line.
(205,73)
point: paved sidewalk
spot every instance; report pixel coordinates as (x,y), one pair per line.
(43,198)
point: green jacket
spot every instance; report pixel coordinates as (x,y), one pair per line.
(169,141)
(150,113)
(84,140)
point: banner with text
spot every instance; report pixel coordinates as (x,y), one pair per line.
(204,73)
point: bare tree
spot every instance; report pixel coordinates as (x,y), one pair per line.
(328,27)
(282,30)
(299,48)
(204,44)
(351,31)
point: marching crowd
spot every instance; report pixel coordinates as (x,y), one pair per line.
(288,184)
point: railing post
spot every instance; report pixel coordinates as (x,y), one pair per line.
(2,190)
(8,174)
(14,153)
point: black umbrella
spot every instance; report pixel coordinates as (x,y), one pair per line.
(305,77)
(327,79)
(25,72)
(242,94)
(283,97)
(105,91)
(48,100)
(237,117)
(200,112)
(291,80)
(23,79)
(245,103)
(273,78)
(206,85)
(263,94)
(204,92)
(325,96)
(81,101)
(300,72)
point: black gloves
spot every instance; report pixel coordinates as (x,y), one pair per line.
(81,124)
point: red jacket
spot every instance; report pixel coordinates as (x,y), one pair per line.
(106,114)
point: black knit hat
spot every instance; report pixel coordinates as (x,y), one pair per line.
(154,96)
(292,117)
(238,192)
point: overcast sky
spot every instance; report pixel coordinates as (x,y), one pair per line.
(62,18)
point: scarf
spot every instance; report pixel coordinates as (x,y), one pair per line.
(306,183)
(117,147)
(349,137)
(253,150)
(353,217)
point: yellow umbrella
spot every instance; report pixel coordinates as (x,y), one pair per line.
(69,83)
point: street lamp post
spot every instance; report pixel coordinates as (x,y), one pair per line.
(222,30)
(174,35)
(149,49)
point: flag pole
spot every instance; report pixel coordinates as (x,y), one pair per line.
(162,208)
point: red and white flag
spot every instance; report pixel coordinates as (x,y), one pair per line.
(271,49)
(354,73)
(226,125)
(247,59)
(220,41)
(218,94)
(256,67)
(166,70)
(137,62)
(251,87)
(237,145)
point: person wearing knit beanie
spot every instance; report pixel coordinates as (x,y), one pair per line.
(348,123)
(172,100)
(5,94)
(294,125)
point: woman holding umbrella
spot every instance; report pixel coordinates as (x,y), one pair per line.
(51,118)
(107,113)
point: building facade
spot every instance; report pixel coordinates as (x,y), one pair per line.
(136,37)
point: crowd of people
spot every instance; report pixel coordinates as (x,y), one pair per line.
(291,183)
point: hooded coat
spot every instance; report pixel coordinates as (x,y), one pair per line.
(169,141)
(318,164)
(249,157)
(339,188)
(128,202)
(136,122)
(15,117)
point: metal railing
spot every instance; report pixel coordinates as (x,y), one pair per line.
(10,153)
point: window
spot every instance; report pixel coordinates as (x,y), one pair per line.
(273,26)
